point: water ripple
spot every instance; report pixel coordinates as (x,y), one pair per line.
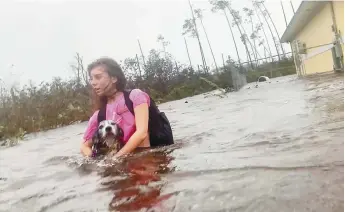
(278,147)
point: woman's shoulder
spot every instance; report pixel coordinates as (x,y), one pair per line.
(94,116)
(138,96)
(137,92)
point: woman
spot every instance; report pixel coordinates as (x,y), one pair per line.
(108,83)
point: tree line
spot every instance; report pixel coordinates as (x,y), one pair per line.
(251,41)
(61,102)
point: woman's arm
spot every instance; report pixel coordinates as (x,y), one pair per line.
(86,145)
(141,113)
(85,148)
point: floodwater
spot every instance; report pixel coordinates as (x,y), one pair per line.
(278,147)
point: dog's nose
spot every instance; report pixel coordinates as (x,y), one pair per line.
(108,129)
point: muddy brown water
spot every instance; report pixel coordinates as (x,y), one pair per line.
(278,147)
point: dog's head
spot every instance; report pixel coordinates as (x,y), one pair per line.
(108,133)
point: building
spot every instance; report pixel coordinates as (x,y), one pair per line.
(316,34)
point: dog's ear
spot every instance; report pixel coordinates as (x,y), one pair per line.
(95,137)
(119,132)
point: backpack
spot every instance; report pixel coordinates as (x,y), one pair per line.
(159,126)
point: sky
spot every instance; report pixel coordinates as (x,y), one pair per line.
(39,39)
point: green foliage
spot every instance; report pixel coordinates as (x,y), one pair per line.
(42,107)
(62,102)
(277,69)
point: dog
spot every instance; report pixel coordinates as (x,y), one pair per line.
(106,140)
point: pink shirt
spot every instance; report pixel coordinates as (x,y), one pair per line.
(118,112)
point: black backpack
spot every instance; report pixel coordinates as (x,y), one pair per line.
(159,126)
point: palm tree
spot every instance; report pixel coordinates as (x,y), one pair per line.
(237,22)
(275,28)
(199,16)
(263,30)
(221,5)
(253,36)
(190,61)
(190,27)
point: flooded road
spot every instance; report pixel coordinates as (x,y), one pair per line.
(278,147)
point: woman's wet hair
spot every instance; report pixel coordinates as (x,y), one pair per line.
(114,70)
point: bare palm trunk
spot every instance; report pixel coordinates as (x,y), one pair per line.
(223,62)
(190,62)
(265,53)
(293,9)
(286,24)
(243,38)
(254,49)
(146,72)
(267,56)
(281,3)
(263,30)
(208,41)
(197,35)
(142,54)
(136,55)
(233,38)
(275,28)
(256,52)
(269,27)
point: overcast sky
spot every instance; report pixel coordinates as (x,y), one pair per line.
(39,38)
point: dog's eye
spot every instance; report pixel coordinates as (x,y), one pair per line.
(112,123)
(100,127)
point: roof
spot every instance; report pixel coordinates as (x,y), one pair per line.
(305,12)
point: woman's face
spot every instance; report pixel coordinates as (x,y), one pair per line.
(101,81)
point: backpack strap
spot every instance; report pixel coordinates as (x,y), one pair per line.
(101,114)
(128,101)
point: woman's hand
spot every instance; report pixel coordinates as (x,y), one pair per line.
(85,148)
(141,122)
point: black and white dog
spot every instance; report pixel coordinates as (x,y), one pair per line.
(106,140)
